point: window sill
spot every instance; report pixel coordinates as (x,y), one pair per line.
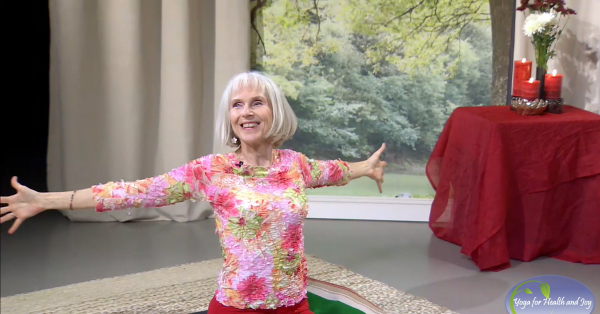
(369,208)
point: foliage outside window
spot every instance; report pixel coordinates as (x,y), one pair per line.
(362,72)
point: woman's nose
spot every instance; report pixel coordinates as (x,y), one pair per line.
(247,111)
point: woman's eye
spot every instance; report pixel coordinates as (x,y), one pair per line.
(258,103)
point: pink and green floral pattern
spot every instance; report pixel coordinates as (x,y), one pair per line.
(259,216)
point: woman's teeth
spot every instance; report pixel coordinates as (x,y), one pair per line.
(249,125)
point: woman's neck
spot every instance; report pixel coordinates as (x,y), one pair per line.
(256,156)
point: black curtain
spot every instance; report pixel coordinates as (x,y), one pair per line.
(25,104)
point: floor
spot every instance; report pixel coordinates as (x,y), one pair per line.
(49,251)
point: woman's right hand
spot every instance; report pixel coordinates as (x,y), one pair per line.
(22,205)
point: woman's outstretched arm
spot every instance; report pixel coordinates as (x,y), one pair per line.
(186,182)
(323,173)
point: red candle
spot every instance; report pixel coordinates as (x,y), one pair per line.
(553,85)
(521,74)
(530,90)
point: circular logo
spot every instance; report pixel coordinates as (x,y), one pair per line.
(550,294)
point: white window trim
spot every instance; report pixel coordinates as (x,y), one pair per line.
(368,208)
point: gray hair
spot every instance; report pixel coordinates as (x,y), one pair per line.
(284,118)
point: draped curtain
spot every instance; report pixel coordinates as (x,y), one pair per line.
(134,89)
(578,50)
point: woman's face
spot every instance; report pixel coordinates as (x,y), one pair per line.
(251,116)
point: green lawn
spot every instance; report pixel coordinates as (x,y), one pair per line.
(417,185)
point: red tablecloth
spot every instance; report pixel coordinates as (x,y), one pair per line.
(510,186)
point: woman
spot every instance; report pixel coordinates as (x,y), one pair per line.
(257,193)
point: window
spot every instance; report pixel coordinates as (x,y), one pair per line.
(360,73)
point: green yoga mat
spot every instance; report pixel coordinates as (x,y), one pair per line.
(320,305)
(327,298)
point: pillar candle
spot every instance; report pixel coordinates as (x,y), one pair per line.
(522,73)
(553,85)
(531,89)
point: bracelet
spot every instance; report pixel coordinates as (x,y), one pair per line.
(71,203)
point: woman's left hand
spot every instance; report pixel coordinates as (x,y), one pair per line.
(375,167)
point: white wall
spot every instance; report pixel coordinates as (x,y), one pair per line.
(578,51)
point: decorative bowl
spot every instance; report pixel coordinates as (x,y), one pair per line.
(525,107)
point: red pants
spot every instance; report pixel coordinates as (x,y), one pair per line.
(217,308)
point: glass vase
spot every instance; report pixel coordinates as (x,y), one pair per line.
(540,75)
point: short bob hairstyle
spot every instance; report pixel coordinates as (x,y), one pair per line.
(284,118)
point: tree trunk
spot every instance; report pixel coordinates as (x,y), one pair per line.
(257,31)
(503,20)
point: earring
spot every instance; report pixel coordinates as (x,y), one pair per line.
(234,140)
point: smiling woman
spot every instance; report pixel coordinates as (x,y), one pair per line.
(254,111)
(258,193)
(254,98)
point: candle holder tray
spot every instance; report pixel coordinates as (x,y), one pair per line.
(525,107)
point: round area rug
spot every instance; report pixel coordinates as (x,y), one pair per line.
(189,288)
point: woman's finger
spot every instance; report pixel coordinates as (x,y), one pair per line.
(5,199)
(380,150)
(5,210)
(14,183)
(15,226)
(379,187)
(7,217)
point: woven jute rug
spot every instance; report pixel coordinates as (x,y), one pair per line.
(189,288)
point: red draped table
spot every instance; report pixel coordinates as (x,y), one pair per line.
(516,187)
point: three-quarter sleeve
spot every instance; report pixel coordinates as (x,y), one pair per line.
(186,182)
(323,173)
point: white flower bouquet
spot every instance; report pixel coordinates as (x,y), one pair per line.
(542,26)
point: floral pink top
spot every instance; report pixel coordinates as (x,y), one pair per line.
(259,215)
